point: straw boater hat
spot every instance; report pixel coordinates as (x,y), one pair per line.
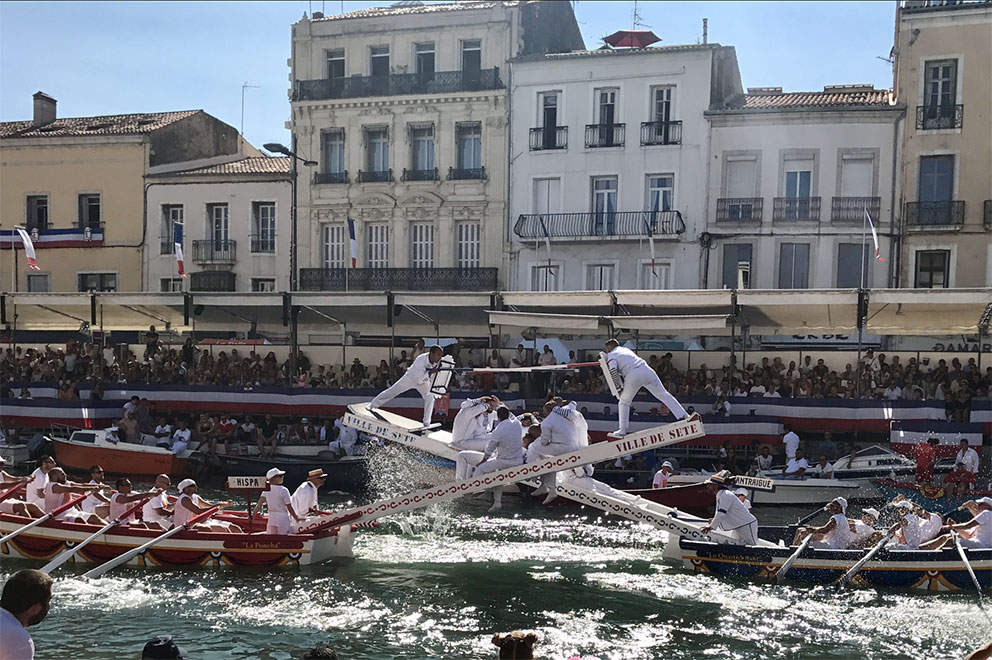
(721,478)
(316,474)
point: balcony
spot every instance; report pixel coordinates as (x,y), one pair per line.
(852,209)
(215,252)
(921,215)
(987,215)
(661,132)
(633,224)
(796,209)
(739,209)
(397,84)
(420,175)
(546,138)
(212,280)
(398,279)
(384,176)
(604,135)
(466,174)
(322,178)
(264,244)
(935,117)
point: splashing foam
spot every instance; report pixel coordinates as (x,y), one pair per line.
(394,470)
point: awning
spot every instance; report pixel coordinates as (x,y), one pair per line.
(924,312)
(711,325)
(799,312)
(566,324)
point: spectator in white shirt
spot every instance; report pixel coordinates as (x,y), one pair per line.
(180,439)
(892,393)
(796,467)
(968,457)
(791,441)
(823,469)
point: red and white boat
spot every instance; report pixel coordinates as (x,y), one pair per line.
(83,449)
(693,498)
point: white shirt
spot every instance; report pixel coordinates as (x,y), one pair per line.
(54,500)
(39,483)
(824,471)
(419,371)
(149,514)
(791,441)
(930,527)
(794,464)
(181,514)
(91,501)
(117,508)
(163,429)
(893,393)
(911,534)
(764,462)
(838,538)
(983,534)
(305,498)
(970,459)
(472,420)
(660,479)
(862,530)
(547,359)
(626,360)
(559,434)
(15,640)
(731,513)
(278,499)
(504,441)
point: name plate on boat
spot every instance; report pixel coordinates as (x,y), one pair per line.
(246,483)
(755,483)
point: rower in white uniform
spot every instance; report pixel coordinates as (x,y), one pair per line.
(561,433)
(503,449)
(635,374)
(157,512)
(835,534)
(189,505)
(731,515)
(974,533)
(910,535)
(863,532)
(14,506)
(305,496)
(124,498)
(417,377)
(473,422)
(280,504)
(60,490)
(36,489)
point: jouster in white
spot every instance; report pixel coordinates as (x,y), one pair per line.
(637,374)
(731,515)
(561,433)
(417,377)
(472,423)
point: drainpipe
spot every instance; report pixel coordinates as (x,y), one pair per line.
(895,262)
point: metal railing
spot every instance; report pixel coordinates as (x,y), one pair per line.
(800,209)
(420,175)
(545,138)
(213,280)
(934,214)
(934,117)
(395,84)
(383,176)
(605,135)
(466,173)
(330,177)
(263,244)
(987,214)
(739,209)
(852,209)
(398,279)
(661,132)
(666,224)
(215,252)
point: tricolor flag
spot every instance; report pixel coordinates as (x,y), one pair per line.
(647,226)
(353,243)
(547,244)
(177,234)
(28,248)
(874,236)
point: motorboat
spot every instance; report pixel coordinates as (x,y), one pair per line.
(86,448)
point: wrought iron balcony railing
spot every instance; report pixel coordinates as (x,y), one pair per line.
(215,252)
(330,177)
(398,279)
(605,135)
(852,209)
(469,173)
(545,138)
(799,209)
(263,244)
(933,117)
(213,280)
(634,224)
(420,175)
(396,84)
(739,209)
(383,176)
(987,214)
(934,214)
(661,132)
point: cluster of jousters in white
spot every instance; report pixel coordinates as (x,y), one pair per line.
(490,455)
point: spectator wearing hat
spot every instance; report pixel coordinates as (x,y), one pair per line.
(162,648)
(660,479)
(305,498)
(280,504)
(26,599)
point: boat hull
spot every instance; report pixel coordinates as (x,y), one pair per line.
(121,459)
(694,498)
(348,474)
(788,492)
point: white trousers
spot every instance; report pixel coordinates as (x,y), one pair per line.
(645,377)
(472,442)
(493,465)
(746,534)
(404,385)
(279,523)
(465,462)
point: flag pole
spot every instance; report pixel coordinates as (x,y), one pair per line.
(864,253)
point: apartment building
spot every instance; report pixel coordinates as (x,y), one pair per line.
(943,54)
(235,216)
(608,160)
(405,109)
(77,185)
(791,178)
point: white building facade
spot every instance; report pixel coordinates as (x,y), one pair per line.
(608,155)
(236,225)
(405,109)
(791,176)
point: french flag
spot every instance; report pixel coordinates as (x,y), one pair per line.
(29,253)
(353,243)
(874,236)
(177,233)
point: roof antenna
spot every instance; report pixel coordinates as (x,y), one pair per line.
(637,19)
(706,22)
(245,86)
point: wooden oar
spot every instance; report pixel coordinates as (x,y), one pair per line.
(44,518)
(791,560)
(10,492)
(65,556)
(810,517)
(130,554)
(854,570)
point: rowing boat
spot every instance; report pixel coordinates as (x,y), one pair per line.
(931,498)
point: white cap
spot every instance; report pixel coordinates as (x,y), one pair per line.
(904,504)
(667,464)
(843,504)
(871,512)
(184,484)
(273,473)
(741,491)
(987,501)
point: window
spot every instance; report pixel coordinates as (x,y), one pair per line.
(737,266)
(377,242)
(469,138)
(37,217)
(604,204)
(218,226)
(547,104)
(377,145)
(263,284)
(332,150)
(857,174)
(658,276)
(172,214)
(89,211)
(932,269)
(471,59)
(100,282)
(424,61)
(39,283)
(467,244)
(798,189)
(334,246)
(545,277)
(547,196)
(742,178)
(599,277)
(663,104)
(335,64)
(422,140)
(171,285)
(940,85)
(263,220)
(606,106)
(660,194)
(852,264)
(936,179)
(422,246)
(793,266)
(379,61)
